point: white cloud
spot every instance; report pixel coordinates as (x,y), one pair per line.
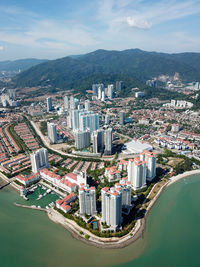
(52,34)
(109,24)
(1,48)
(16,10)
(142,15)
(68,33)
(138,23)
(41,32)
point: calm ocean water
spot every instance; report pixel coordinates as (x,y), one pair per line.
(172,235)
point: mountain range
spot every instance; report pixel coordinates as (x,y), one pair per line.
(20,64)
(132,66)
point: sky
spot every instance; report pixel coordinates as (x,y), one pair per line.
(50,29)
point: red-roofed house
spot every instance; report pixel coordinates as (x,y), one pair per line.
(27,180)
(112,174)
(63,204)
(50,176)
(78,178)
(67,185)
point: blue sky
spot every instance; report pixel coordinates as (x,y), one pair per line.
(52,29)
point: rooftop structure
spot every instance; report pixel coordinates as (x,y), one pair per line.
(135,147)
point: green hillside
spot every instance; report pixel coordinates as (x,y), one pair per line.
(22,64)
(133,66)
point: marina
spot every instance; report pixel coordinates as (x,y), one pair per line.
(39,196)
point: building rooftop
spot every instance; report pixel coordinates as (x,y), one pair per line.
(135,147)
(71,175)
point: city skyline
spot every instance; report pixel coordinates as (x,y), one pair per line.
(166,26)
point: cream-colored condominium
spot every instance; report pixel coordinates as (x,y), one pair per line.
(39,160)
(141,169)
(87,200)
(111,206)
(150,159)
(137,173)
(125,187)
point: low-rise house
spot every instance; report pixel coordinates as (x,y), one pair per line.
(68,183)
(112,174)
(27,180)
(63,204)
(122,165)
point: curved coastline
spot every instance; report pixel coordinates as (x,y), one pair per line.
(113,242)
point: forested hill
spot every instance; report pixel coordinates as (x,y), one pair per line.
(20,64)
(133,65)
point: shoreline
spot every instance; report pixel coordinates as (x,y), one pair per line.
(112,242)
(178,177)
(117,242)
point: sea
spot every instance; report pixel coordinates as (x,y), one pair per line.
(171,237)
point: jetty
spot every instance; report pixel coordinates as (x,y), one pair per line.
(33,207)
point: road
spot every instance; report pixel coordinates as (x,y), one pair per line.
(44,140)
(124,136)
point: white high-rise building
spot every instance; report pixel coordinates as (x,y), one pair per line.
(108,139)
(80,106)
(122,117)
(75,118)
(72,103)
(100,90)
(87,105)
(69,120)
(95,89)
(52,133)
(82,139)
(111,207)
(98,141)
(88,120)
(95,142)
(94,122)
(173,102)
(125,187)
(110,91)
(103,96)
(39,160)
(150,160)
(118,86)
(107,119)
(66,103)
(83,120)
(49,104)
(87,200)
(12,93)
(137,171)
